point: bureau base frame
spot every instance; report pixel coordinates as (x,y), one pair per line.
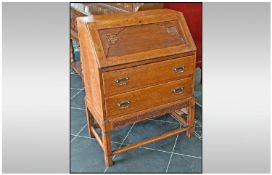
(105,141)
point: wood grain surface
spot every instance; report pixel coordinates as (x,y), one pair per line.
(148,97)
(148,74)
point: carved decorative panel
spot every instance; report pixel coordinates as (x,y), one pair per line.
(140,38)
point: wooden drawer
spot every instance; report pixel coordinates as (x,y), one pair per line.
(148,97)
(124,80)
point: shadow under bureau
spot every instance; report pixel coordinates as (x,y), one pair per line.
(136,66)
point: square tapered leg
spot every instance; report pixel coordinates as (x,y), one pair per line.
(107,148)
(191,118)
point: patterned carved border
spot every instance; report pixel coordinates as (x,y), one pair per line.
(138,118)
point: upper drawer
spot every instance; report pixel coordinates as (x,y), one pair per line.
(148,97)
(140,76)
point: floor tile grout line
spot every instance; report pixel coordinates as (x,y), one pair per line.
(187,155)
(121,144)
(78,108)
(72,73)
(171,154)
(143,147)
(198,136)
(127,134)
(77,88)
(198,104)
(76,94)
(79,132)
(155,149)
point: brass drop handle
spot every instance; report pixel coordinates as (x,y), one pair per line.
(123,104)
(179,69)
(122,81)
(178,90)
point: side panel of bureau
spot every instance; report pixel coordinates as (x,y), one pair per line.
(148,97)
(123,80)
(90,70)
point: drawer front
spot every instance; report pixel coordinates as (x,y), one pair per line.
(150,74)
(148,97)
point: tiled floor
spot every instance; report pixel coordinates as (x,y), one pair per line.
(177,154)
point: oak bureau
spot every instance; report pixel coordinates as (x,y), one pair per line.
(136,66)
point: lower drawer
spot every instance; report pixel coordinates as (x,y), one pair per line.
(148,97)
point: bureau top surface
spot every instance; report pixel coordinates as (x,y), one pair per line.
(134,37)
